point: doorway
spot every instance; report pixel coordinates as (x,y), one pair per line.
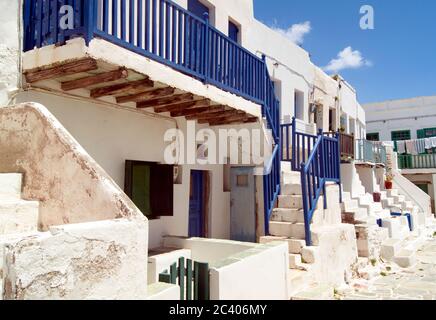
(243,208)
(198,204)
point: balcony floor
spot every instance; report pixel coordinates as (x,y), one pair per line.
(100,80)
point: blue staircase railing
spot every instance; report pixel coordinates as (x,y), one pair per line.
(318,159)
(173,36)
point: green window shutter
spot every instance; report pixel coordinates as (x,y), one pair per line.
(421,134)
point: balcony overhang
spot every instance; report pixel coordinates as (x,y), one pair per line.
(107,72)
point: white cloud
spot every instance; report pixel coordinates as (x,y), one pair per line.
(296,32)
(347,59)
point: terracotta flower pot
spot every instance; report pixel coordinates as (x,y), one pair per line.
(377,196)
(388,185)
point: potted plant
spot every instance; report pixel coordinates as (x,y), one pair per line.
(389,179)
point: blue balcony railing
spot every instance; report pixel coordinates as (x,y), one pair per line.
(171,35)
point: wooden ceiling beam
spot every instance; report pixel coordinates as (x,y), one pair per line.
(196,113)
(234,121)
(66,69)
(147,95)
(182,106)
(132,87)
(233,114)
(110,76)
(204,118)
(162,102)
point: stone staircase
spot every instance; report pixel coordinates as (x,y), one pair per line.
(306,263)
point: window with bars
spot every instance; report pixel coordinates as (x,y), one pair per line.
(373,136)
(426,133)
(400,135)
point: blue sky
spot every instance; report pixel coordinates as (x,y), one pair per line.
(397,59)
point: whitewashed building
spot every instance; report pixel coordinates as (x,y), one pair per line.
(407,119)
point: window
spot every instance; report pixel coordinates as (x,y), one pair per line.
(233,32)
(373,136)
(150,186)
(426,133)
(299,104)
(400,135)
(197,8)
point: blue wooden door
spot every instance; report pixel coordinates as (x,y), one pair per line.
(197,8)
(243,212)
(196,205)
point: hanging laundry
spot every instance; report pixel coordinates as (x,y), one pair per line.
(427,142)
(420,146)
(433,142)
(411,147)
(389,144)
(401,147)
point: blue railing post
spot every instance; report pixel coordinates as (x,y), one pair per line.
(294,145)
(206,48)
(264,81)
(338,142)
(307,219)
(90,12)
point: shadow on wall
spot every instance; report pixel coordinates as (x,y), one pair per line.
(70,185)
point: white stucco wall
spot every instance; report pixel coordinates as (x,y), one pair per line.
(9,49)
(407,114)
(98,260)
(112,135)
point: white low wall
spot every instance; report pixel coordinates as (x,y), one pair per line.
(208,250)
(98,260)
(240,270)
(260,273)
(412,193)
(161,262)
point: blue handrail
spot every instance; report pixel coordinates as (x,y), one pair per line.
(317,158)
(322,166)
(171,35)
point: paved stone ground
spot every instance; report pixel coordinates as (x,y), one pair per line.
(389,282)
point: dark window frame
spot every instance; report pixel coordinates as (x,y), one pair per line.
(407,135)
(376,135)
(161,187)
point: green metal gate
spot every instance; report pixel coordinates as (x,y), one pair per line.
(192,277)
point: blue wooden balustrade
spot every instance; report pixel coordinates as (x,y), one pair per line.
(171,35)
(318,160)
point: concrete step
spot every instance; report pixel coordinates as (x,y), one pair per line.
(291,202)
(354,217)
(398,227)
(297,280)
(392,192)
(349,205)
(387,202)
(399,198)
(288,215)
(290,177)
(18,216)
(287,229)
(291,189)
(310,254)
(10,185)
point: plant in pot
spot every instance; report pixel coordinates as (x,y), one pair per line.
(389,179)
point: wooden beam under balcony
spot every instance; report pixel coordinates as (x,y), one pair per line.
(194,113)
(129,88)
(147,95)
(239,119)
(175,107)
(70,68)
(214,115)
(231,114)
(110,76)
(161,102)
